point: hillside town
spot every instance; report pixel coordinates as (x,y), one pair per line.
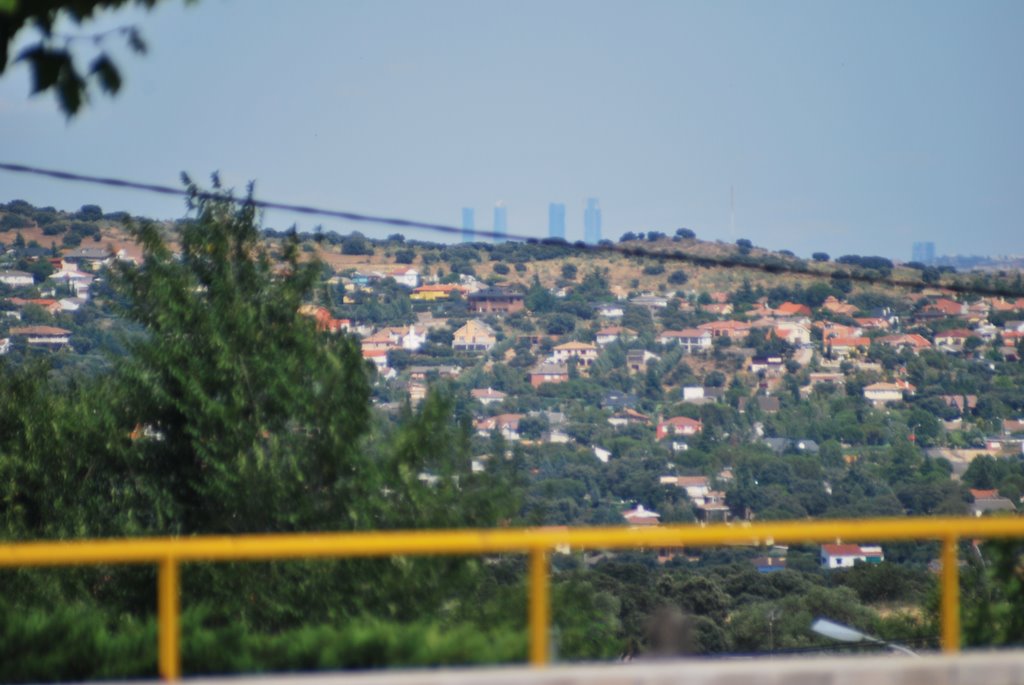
(635,384)
(630,404)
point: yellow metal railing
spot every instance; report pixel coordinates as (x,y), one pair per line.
(169,553)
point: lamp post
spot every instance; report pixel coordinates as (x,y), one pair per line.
(841,633)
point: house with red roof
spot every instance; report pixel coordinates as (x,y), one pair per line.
(845,556)
(873,323)
(50,306)
(47,336)
(953,340)
(378,358)
(949,307)
(794,333)
(792,309)
(843,347)
(679,425)
(641,517)
(912,341)
(606,336)
(833,305)
(506,424)
(728,329)
(487,395)
(837,330)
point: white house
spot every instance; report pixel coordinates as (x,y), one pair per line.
(413,339)
(652,302)
(693,392)
(882,393)
(487,396)
(78,281)
(16,278)
(845,556)
(584,353)
(697,487)
(610,311)
(379,358)
(794,332)
(48,336)
(606,336)
(692,339)
(409,277)
(71,304)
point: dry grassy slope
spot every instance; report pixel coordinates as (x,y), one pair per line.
(622,270)
(112,238)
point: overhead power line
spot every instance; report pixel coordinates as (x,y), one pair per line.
(774,267)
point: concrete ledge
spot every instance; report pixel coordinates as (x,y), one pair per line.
(981,668)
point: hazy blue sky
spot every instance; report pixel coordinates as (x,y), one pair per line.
(850,128)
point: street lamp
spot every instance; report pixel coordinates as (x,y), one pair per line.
(841,633)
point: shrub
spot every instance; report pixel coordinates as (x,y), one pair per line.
(356,244)
(405,256)
(14,221)
(90,213)
(678,277)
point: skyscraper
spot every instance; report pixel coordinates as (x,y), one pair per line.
(500,220)
(556,220)
(924,252)
(468,225)
(592,222)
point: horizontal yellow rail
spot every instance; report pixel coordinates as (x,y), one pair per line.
(168,553)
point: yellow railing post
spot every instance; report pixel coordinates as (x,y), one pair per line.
(169,553)
(168,629)
(540,607)
(950,596)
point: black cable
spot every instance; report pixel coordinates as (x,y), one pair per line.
(774,268)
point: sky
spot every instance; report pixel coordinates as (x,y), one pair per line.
(848,128)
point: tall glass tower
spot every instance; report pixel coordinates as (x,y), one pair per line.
(500,221)
(592,222)
(924,252)
(556,220)
(468,225)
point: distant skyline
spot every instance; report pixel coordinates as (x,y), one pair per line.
(556,220)
(592,222)
(923,252)
(500,219)
(857,128)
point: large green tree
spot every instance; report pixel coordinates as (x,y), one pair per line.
(249,417)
